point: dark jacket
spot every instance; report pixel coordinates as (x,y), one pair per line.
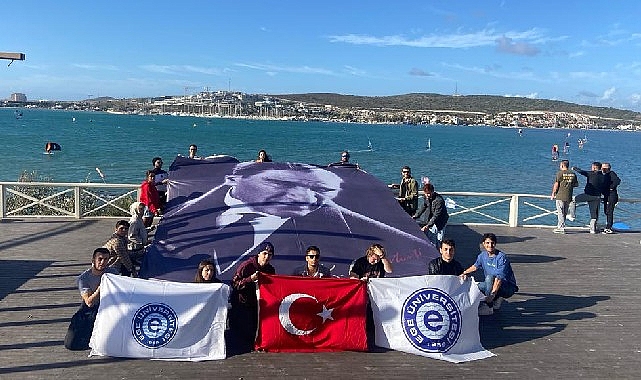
(439,266)
(437,215)
(595,181)
(610,183)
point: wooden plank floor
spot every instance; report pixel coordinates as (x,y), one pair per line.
(578,313)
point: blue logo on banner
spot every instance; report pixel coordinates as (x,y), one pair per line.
(154,325)
(431,320)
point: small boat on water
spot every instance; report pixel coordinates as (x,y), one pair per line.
(50,147)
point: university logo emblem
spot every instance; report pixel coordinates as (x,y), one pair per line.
(154,325)
(431,320)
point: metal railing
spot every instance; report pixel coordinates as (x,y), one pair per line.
(525,210)
(65,200)
(20,200)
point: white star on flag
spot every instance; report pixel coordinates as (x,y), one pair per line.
(326,314)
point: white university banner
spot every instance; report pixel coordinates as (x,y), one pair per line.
(433,316)
(160,319)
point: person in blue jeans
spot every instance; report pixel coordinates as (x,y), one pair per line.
(499,281)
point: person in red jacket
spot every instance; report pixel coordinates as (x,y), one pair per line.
(149,196)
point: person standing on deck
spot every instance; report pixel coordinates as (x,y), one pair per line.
(437,215)
(408,191)
(564,183)
(591,194)
(161,179)
(312,267)
(610,195)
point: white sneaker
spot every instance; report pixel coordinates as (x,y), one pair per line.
(570,218)
(497,303)
(484,309)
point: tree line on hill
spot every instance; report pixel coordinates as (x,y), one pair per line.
(490,104)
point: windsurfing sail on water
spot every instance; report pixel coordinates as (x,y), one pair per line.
(369,145)
(429,144)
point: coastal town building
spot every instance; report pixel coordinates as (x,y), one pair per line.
(242,105)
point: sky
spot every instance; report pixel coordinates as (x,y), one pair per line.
(585,52)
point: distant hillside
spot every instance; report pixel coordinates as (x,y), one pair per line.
(472,103)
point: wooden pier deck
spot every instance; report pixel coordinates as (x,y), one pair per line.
(577,314)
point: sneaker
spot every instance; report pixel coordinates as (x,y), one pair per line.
(570,218)
(593,231)
(484,309)
(497,303)
(607,231)
(559,230)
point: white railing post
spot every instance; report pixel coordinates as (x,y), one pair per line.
(3,203)
(76,201)
(514,211)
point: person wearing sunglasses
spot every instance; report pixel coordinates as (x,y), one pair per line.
(312,267)
(344,162)
(407,191)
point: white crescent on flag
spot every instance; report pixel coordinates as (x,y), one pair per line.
(285,319)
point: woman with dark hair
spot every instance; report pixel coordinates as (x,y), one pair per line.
(263,156)
(206,272)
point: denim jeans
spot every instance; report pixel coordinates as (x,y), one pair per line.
(435,236)
(505,291)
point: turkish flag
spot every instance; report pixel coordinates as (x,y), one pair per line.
(300,314)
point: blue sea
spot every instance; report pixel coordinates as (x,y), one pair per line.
(475,158)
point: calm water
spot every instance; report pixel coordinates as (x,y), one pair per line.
(461,158)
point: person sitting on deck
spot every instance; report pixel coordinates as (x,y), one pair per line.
(445,264)
(81,326)
(120,256)
(313,267)
(137,233)
(499,277)
(149,196)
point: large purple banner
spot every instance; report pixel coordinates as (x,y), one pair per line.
(222,209)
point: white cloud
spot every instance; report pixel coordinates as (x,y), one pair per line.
(609,93)
(181,69)
(485,37)
(286,69)
(94,67)
(508,45)
(532,95)
(354,71)
(420,72)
